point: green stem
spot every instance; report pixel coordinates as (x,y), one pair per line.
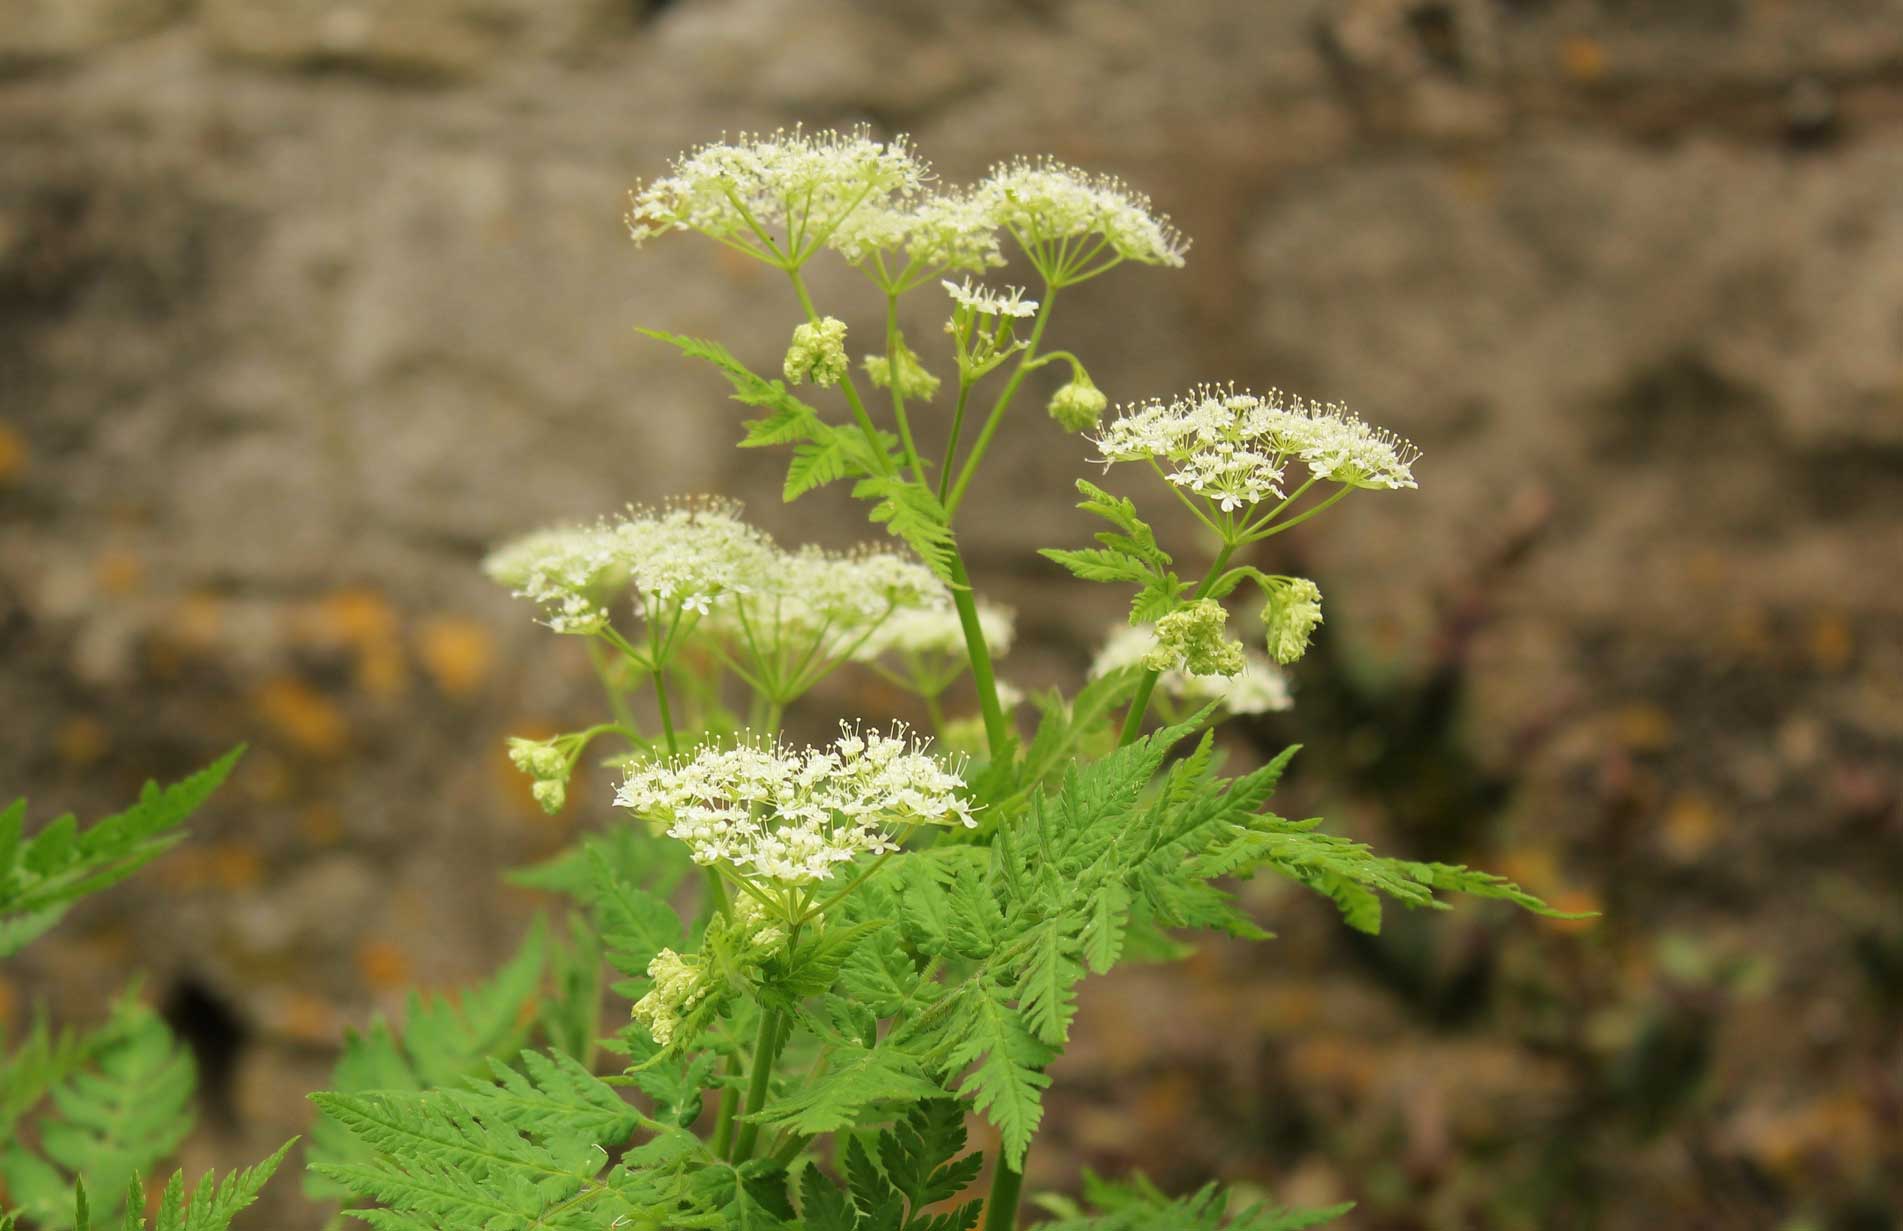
(1001,1208)
(997,734)
(729,1104)
(898,398)
(996,416)
(764,1046)
(667,717)
(1304,515)
(1133,722)
(951,443)
(617,704)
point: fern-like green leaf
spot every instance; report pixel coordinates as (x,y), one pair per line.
(859,1078)
(109,1120)
(212,1205)
(1138,1205)
(41,876)
(444,1040)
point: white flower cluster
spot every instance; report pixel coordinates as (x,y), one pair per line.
(946,230)
(793,817)
(933,628)
(795,190)
(687,555)
(1259,688)
(983,301)
(1232,446)
(1043,201)
(783,196)
(814,593)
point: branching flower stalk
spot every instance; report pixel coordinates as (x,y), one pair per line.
(897,934)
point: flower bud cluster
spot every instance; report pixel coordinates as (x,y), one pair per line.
(790,817)
(818,353)
(1079,405)
(677,989)
(1290,615)
(549,764)
(1195,638)
(1257,689)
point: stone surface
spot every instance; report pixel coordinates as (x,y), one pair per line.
(304,305)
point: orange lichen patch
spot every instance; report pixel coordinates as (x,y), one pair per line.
(196,622)
(457,653)
(83,741)
(383,965)
(118,572)
(302,715)
(236,866)
(1830,642)
(365,623)
(1476,181)
(321,824)
(1834,1127)
(1334,1061)
(1584,59)
(304,1018)
(382,671)
(1690,827)
(13,453)
(1644,727)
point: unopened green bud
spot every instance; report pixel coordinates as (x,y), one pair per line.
(818,353)
(1079,405)
(1193,637)
(538,758)
(1291,614)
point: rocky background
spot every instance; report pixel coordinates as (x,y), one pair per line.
(304,303)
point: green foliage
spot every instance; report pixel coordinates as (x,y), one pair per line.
(825,453)
(1128,553)
(916,1164)
(529,1148)
(1138,1205)
(212,1205)
(42,876)
(444,1040)
(117,1101)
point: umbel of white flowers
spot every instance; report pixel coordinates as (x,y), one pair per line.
(768,813)
(783,197)
(1232,446)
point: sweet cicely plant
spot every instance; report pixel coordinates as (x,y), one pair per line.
(829,958)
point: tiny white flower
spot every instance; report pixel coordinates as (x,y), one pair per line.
(984,301)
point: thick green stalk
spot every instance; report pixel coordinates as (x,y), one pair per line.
(1001,1208)
(1133,722)
(764,1046)
(997,733)
(729,1104)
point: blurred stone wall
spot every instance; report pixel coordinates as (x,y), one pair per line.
(303,303)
